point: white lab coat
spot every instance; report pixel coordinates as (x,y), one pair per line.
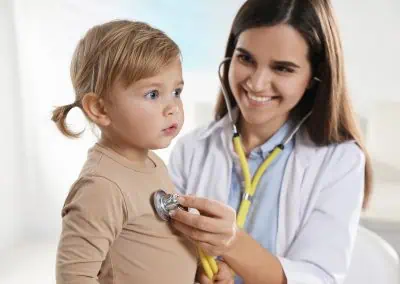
(320,200)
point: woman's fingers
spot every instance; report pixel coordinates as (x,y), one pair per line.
(216,232)
(212,244)
(197,235)
(199,222)
(224,275)
(202,278)
(206,206)
(211,249)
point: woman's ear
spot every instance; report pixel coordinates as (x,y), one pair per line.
(313,82)
(95,109)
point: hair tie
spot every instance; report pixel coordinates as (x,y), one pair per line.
(75,104)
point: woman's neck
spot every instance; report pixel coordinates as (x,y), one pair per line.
(255,135)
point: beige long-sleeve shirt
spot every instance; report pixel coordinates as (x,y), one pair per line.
(110,231)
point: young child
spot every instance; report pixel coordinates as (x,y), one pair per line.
(127,78)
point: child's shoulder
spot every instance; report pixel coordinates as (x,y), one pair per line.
(90,191)
(101,169)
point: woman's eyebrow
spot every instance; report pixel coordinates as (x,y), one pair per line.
(242,50)
(286,63)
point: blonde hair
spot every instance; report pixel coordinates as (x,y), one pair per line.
(119,50)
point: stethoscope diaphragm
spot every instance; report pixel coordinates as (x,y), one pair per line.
(164,203)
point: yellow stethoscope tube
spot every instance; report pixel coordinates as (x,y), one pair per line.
(250,186)
(209,264)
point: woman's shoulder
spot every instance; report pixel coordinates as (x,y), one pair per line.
(338,153)
(344,155)
(336,166)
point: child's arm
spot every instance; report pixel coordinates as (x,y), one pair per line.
(93,217)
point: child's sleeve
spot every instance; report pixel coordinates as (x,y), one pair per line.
(92,218)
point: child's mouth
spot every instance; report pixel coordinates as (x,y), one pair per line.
(171,130)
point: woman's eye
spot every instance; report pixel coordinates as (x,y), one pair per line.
(284,69)
(177,92)
(244,58)
(152,95)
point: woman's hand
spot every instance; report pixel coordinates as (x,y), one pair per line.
(224,275)
(214,230)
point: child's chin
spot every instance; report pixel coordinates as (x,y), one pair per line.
(161,145)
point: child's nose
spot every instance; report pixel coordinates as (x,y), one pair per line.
(171,109)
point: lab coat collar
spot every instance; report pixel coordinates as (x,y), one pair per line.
(304,148)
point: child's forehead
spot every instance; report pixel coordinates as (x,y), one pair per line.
(170,74)
(158,80)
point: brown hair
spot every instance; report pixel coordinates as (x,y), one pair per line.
(118,50)
(333,120)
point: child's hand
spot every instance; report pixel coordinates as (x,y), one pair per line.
(224,275)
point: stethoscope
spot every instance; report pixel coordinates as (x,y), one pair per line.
(250,183)
(164,203)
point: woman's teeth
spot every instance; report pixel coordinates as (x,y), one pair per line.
(259,99)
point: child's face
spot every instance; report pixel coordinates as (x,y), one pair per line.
(149,113)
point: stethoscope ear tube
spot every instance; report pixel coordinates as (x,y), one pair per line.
(225,93)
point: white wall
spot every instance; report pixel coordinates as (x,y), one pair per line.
(11,170)
(371,39)
(370,33)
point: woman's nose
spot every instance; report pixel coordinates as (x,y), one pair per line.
(259,80)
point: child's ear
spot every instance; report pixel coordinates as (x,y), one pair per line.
(95,109)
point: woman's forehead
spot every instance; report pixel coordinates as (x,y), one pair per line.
(281,41)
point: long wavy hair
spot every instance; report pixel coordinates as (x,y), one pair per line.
(333,121)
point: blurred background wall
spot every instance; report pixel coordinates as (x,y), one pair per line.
(37,164)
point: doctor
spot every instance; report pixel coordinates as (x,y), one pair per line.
(287,60)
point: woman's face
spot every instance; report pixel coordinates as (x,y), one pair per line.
(269,73)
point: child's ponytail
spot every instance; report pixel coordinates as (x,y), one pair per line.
(59,117)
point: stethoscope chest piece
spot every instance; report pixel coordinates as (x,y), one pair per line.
(164,203)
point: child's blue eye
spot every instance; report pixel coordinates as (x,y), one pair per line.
(177,92)
(152,95)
